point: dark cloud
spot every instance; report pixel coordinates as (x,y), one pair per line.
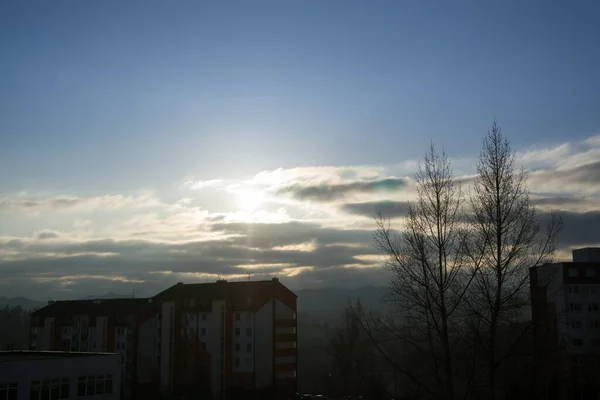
(388,208)
(330,192)
(583,174)
(47,235)
(144,260)
(290,233)
(579,229)
(559,201)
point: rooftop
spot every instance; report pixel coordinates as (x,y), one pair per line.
(28,355)
(98,306)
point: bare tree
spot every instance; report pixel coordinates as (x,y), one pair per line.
(505,240)
(427,279)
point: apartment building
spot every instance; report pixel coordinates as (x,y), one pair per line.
(101,325)
(566,324)
(228,337)
(220,338)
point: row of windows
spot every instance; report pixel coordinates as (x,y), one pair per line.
(9,391)
(579,342)
(248,362)
(589,273)
(575,289)
(248,331)
(54,389)
(94,385)
(248,347)
(592,307)
(593,324)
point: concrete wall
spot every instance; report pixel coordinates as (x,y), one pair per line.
(146,349)
(166,347)
(71,367)
(46,337)
(217,336)
(101,334)
(263,345)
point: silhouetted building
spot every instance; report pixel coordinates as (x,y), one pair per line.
(228,337)
(221,339)
(37,375)
(566,321)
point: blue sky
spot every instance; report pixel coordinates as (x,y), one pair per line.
(121,102)
(118,94)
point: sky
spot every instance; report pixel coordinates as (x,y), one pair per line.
(148,142)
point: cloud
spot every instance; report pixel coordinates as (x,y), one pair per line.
(198,185)
(583,179)
(59,203)
(388,208)
(47,234)
(311,229)
(326,192)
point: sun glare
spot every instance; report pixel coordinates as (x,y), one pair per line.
(250,200)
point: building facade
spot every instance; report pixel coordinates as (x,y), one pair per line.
(37,375)
(220,339)
(239,337)
(566,325)
(102,325)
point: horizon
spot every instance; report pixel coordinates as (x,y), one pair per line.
(149,143)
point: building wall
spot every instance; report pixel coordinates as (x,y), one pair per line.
(216,345)
(166,346)
(263,347)
(146,350)
(24,372)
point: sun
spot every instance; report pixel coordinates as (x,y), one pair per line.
(251,200)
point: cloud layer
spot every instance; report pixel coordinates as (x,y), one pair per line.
(310,226)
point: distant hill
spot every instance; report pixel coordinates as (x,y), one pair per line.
(327,305)
(24,303)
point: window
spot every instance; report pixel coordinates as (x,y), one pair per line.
(237,331)
(593,289)
(577,342)
(593,307)
(573,273)
(237,362)
(576,324)
(590,273)
(94,385)
(574,289)
(248,331)
(203,317)
(9,391)
(237,316)
(237,347)
(203,331)
(249,347)
(575,307)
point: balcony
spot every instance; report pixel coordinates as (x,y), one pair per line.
(287,352)
(285,337)
(285,323)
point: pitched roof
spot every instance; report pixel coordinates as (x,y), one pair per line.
(100,307)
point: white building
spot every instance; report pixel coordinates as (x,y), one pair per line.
(42,375)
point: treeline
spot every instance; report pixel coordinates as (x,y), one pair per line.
(458,287)
(14,328)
